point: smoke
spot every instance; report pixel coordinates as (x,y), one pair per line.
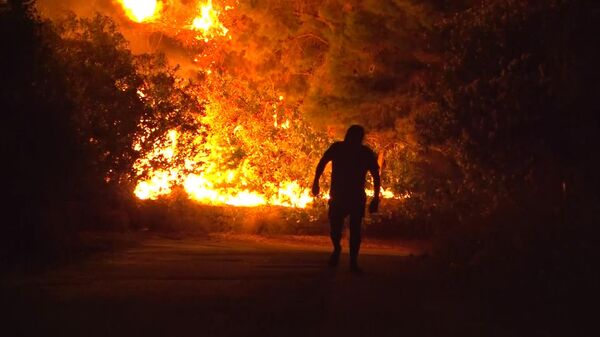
(55,9)
(142,38)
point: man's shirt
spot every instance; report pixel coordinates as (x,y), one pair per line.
(350,164)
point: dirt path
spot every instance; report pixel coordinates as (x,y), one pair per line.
(231,286)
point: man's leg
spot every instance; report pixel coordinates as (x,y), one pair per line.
(355,238)
(336,221)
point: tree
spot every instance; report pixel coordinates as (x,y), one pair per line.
(124,104)
(76,104)
(514,107)
(38,145)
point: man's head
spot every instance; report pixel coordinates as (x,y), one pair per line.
(355,135)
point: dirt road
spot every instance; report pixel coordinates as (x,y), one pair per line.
(236,287)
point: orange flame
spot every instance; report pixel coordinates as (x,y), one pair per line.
(207,183)
(141,10)
(207,22)
(221,188)
(215,188)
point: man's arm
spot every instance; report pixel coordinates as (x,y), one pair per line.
(374,170)
(327,156)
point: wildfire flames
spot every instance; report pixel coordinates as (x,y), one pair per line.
(141,10)
(207,182)
(213,186)
(207,23)
(220,187)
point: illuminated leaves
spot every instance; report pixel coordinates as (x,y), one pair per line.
(125,103)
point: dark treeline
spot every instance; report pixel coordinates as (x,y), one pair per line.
(71,113)
(36,131)
(503,128)
(514,104)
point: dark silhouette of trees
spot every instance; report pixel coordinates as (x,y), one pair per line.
(74,101)
(120,98)
(515,107)
(39,148)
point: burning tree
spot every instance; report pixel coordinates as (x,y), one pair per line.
(263,87)
(255,146)
(123,102)
(465,103)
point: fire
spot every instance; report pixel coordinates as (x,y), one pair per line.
(141,10)
(207,178)
(159,184)
(207,22)
(211,186)
(201,189)
(221,188)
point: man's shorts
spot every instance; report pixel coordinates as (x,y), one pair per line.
(342,208)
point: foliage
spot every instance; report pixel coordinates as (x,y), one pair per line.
(120,99)
(175,104)
(70,90)
(335,63)
(255,132)
(511,79)
(514,108)
(37,144)
(346,62)
(101,83)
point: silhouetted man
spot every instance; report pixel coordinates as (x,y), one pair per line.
(351,160)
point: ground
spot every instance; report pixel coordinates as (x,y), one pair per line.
(242,286)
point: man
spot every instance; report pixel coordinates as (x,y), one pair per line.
(351,160)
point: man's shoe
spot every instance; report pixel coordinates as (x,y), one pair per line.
(354,268)
(334,259)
